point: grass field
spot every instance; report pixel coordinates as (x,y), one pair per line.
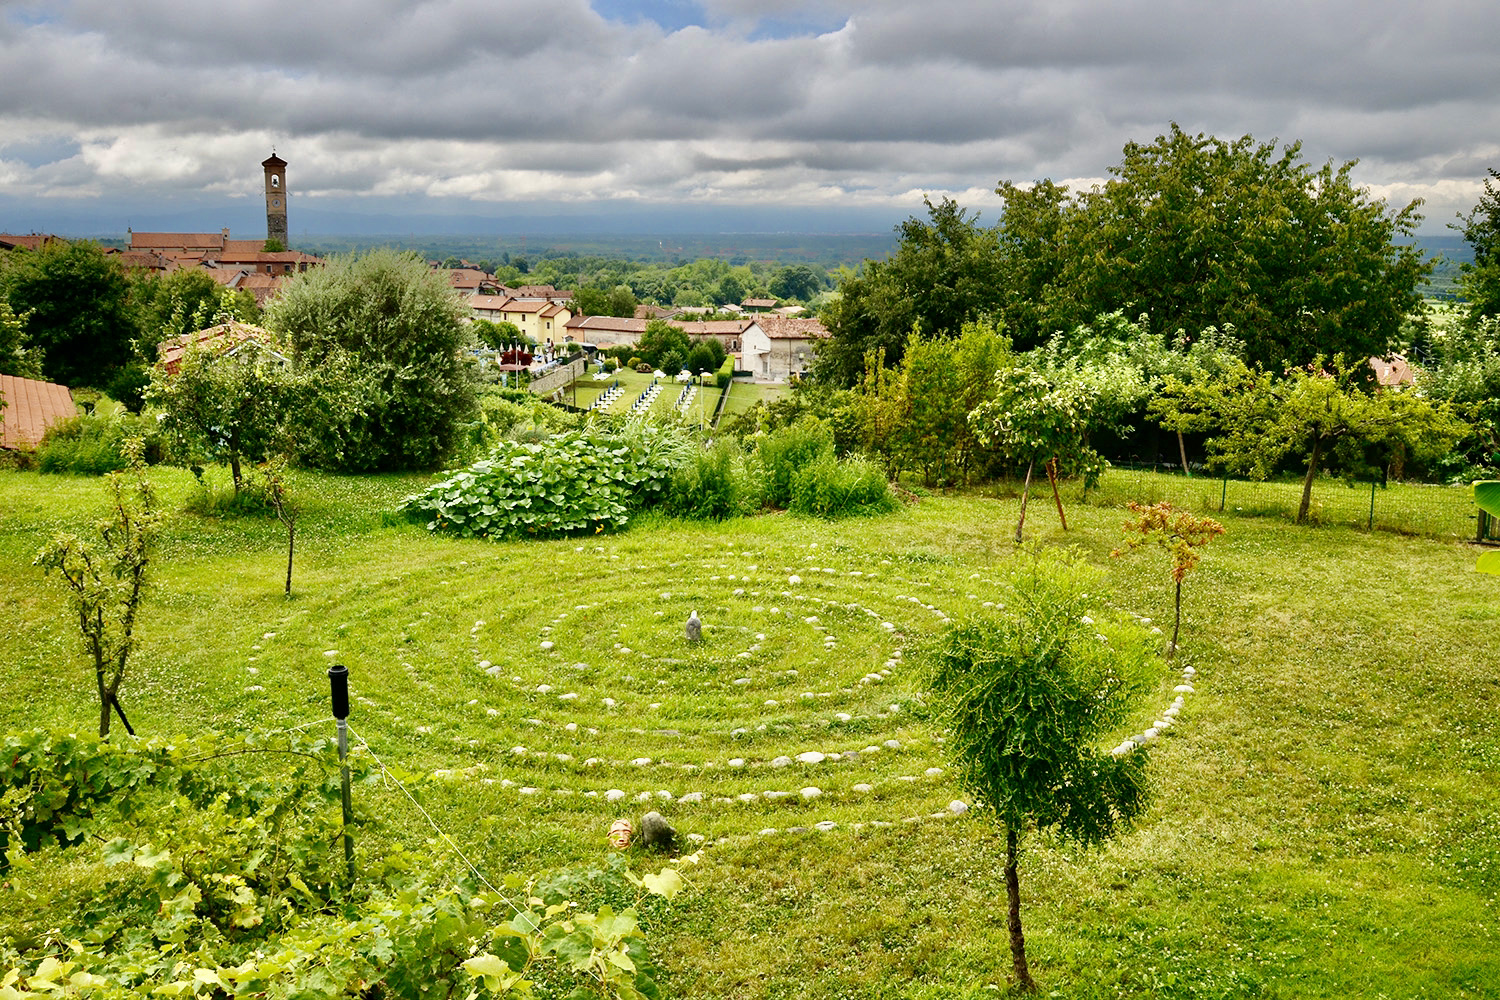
(1326,819)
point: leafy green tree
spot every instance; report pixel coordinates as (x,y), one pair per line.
(661,338)
(1026,701)
(224,408)
(107,580)
(1196,231)
(183,302)
(387,336)
(79,305)
(498,335)
(1040,416)
(932,414)
(1032,255)
(17,357)
(1258,421)
(944,272)
(796,281)
(1463,369)
(1481,229)
(593,300)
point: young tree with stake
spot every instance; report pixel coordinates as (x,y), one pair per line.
(1027,702)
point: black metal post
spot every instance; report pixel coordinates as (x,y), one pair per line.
(338,680)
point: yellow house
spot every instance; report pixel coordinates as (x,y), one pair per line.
(540,319)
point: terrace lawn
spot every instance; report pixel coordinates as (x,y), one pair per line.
(1327,814)
(742,395)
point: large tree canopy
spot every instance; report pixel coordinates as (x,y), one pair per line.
(390,334)
(1481,228)
(80,315)
(944,272)
(1195,231)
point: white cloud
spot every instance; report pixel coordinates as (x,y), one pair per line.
(864,103)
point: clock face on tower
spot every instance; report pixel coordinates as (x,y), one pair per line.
(275,202)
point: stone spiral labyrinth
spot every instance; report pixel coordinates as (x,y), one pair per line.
(793,714)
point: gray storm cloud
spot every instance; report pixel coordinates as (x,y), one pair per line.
(762,101)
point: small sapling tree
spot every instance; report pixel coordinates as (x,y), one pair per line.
(285,508)
(1182,533)
(1027,702)
(108,580)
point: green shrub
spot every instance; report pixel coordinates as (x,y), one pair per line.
(725,374)
(784,452)
(570,482)
(829,488)
(93,444)
(709,486)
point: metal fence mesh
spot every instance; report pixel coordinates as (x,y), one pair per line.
(1406,508)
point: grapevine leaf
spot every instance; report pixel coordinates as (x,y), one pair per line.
(668,883)
(1489,562)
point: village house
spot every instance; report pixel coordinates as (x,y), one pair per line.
(543,320)
(778,348)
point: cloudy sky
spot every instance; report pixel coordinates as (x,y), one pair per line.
(715,114)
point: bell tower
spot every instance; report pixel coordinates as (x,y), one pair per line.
(275,168)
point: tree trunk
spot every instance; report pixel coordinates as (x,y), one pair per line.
(1025,495)
(1182,451)
(1176,623)
(1312,471)
(1013,916)
(291,544)
(1056,498)
(234,469)
(104,706)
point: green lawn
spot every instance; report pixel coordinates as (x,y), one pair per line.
(1326,820)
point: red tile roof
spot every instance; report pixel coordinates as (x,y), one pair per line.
(220,338)
(780,327)
(178,241)
(28,241)
(30,408)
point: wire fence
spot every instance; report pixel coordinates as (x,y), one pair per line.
(1406,508)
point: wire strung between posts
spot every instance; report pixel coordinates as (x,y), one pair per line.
(440,832)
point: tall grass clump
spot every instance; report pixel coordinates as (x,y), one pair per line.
(94,444)
(711,485)
(786,451)
(829,488)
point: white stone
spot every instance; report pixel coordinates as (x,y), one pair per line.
(547,644)
(570,696)
(737,762)
(811,792)
(492,712)
(862,788)
(544,689)
(571,727)
(742,681)
(843,716)
(958,807)
(608,702)
(330,652)
(769,831)
(691,798)
(933,772)
(1183,689)
(893,744)
(643,797)
(641,761)
(747,797)
(664,795)
(794,579)
(826,826)
(781,762)
(811,757)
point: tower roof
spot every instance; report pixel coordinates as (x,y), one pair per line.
(273,161)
